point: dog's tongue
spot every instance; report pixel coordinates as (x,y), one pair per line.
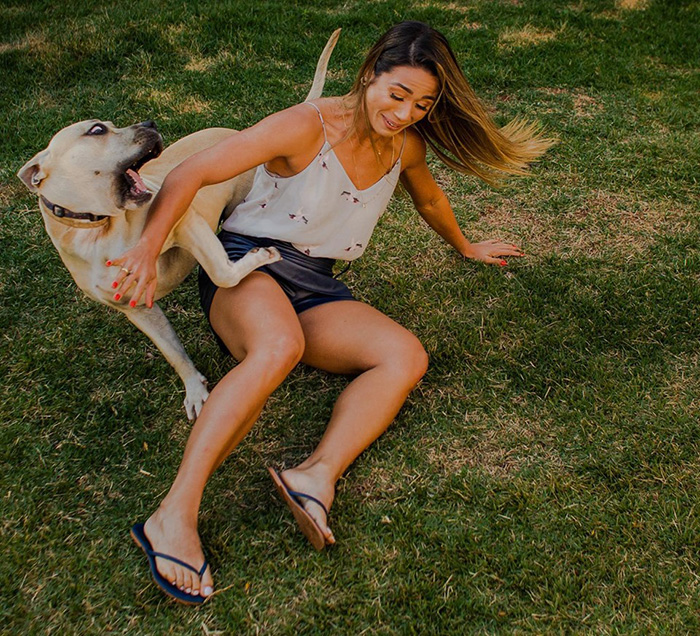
(138,186)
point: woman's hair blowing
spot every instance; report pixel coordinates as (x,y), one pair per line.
(458,128)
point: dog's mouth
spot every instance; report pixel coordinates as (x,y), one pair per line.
(132,188)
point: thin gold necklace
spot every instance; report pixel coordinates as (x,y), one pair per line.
(379,161)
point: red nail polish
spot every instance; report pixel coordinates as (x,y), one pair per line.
(503,263)
(115,284)
(117,296)
(108,263)
(132,303)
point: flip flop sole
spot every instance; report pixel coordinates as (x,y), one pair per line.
(304,520)
(140,539)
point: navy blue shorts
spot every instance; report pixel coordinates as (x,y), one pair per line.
(306,280)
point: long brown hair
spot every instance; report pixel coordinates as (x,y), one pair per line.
(458,127)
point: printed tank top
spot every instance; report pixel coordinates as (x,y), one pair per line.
(319,210)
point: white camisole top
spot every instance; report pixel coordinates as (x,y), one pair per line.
(319,210)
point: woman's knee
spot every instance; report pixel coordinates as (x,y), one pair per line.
(408,359)
(281,350)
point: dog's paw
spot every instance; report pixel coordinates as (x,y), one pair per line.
(268,254)
(196,395)
(273,254)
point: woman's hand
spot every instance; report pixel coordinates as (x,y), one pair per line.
(492,252)
(137,270)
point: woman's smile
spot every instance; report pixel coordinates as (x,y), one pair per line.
(399,98)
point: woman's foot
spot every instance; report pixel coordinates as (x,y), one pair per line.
(313,482)
(169,533)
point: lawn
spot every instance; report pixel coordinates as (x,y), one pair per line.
(544,477)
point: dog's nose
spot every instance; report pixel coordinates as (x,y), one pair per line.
(149,123)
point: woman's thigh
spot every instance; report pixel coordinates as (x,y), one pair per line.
(351,337)
(256,315)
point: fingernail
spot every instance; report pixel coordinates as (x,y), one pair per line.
(108,263)
(132,303)
(208,590)
(114,284)
(503,263)
(188,590)
(117,296)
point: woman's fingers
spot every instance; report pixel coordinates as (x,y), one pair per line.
(493,252)
(126,280)
(150,293)
(142,285)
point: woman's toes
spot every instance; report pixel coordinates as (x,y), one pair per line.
(207,583)
(167,570)
(190,582)
(180,579)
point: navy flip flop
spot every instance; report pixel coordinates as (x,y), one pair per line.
(305,521)
(140,538)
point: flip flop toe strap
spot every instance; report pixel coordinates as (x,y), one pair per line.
(297,495)
(179,562)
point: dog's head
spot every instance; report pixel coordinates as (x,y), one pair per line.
(92,167)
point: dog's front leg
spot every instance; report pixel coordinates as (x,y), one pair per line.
(157,327)
(194,235)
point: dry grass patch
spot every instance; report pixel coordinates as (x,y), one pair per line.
(502,445)
(600,224)
(383,484)
(632,5)
(36,42)
(458,7)
(586,106)
(682,389)
(524,37)
(173,101)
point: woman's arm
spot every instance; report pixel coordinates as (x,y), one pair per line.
(432,204)
(284,135)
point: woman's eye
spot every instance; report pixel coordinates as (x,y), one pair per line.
(396,97)
(423,108)
(97,129)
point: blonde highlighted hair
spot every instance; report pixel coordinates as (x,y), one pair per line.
(458,127)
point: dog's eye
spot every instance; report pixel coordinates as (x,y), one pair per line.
(97,129)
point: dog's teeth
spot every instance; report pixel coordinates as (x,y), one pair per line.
(137,184)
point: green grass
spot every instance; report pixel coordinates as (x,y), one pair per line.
(545,475)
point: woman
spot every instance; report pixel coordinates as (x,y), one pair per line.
(326,171)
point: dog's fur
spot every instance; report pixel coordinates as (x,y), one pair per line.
(93,211)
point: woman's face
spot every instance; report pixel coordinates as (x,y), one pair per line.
(399,98)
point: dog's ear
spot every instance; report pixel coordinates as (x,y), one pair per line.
(32,173)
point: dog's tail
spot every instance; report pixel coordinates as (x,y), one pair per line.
(322,67)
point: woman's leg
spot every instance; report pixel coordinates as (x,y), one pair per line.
(350,337)
(258,325)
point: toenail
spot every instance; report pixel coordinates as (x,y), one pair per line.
(207,590)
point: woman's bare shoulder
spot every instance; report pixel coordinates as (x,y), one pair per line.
(300,120)
(414,151)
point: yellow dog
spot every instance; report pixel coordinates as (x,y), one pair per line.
(95,184)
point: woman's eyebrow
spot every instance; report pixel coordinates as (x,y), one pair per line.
(410,92)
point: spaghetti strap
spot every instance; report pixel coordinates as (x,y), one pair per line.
(403,144)
(323,123)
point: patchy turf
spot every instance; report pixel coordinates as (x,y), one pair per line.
(544,476)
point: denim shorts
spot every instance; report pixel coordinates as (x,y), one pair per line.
(306,280)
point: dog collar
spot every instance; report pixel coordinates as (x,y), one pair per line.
(63,213)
